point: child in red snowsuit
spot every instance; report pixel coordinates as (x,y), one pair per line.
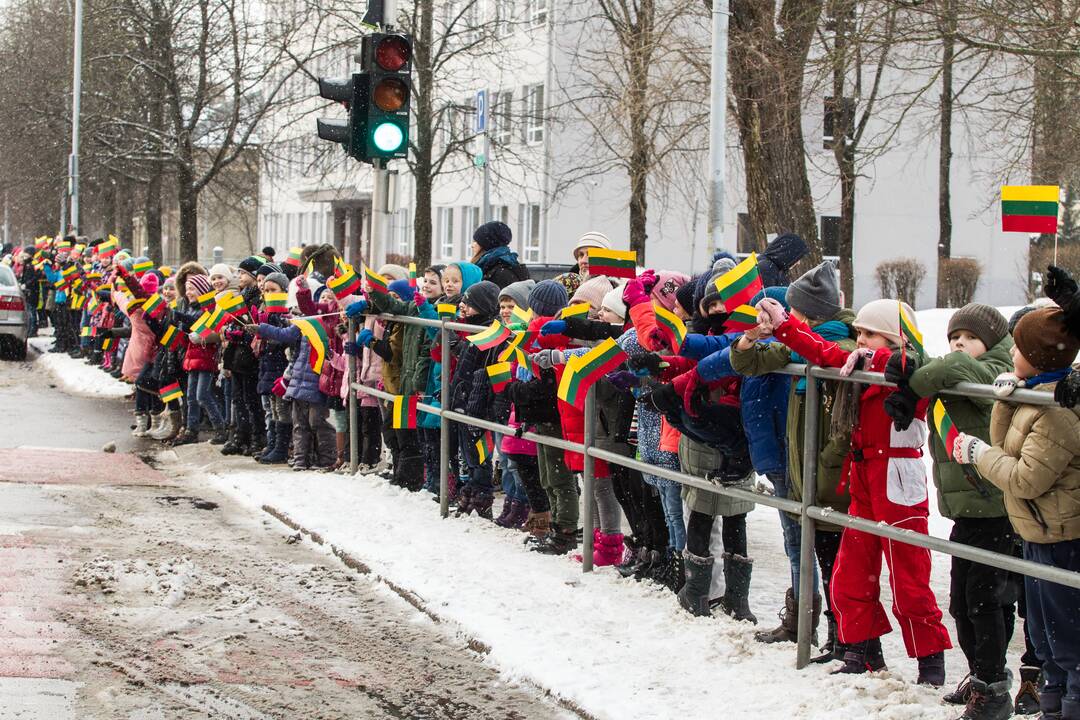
(887,481)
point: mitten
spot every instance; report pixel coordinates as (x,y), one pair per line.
(648,280)
(547,359)
(645,364)
(356,308)
(351,348)
(279,387)
(900,406)
(553,327)
(1005,383)
(1067,392)
(856,360)
(899,369)
(364,337)
(967,449)
(666,399)
(634,293)
(623,379)
(773,311)
(1059,284)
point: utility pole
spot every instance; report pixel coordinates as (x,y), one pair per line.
(717,124)
(481,126)
(76,96)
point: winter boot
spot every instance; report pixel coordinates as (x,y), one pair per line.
(464,499)
(607,549)
(186,437)
(272,442)
(634,557)
(538,525)
(234,444)
(962,694)
(862,657)
(279,451)
(518,513)
(736,599)
(506,507)
(832,649)
(170,425)
(671,573)
(142,425)
(482,502)
(988,701)
(932,670)
(650,567)
(557,542)
(1027,697)
(156,420)
(694,595)
(789,623)
(219,437)
(256,444)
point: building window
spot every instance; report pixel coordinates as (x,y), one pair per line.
(446,233)
(830,235)
(401,241)
(470,220)
(529,232)
(504,17)
(538,12)
(837,115)
(501,213)
(534,114)
(501,117)
(745,241)
(471,20)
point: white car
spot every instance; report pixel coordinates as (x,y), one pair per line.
(13,318)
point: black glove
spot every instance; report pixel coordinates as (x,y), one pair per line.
(1067,392)
(1059,284)
(899,372)
(645,363)
(900,406)
(666,399)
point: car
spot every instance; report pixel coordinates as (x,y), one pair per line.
(13,319)
(540,271)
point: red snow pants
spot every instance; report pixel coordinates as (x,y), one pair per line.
(856,586)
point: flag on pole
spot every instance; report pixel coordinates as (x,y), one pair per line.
(447,311)
(316,336)
(376,282)
(613,263)
(404,415)
(154,306)
(229,301)
(346,283)
(670,325)
(412,275)
(743,317)
(275,302)
(499,375)
(171,338)
(491,337)
(582,371)
(908,334)
(522,315)
(575,310)
(944,426)
(205,300)
(485,447)
(517,347)
(294,256)
(740,284)
(1030,208)
(140,268)
(171,392)
(109,247)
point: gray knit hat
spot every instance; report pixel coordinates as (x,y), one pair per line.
(548,298)
(816,294)
(984,321)
(279,279)
(518,292)
(483,297)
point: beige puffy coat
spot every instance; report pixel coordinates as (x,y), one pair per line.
(1035,460)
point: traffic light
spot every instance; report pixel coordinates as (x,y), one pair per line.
(386,60)
(342,90)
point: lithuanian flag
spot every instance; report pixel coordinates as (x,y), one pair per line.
(582,371)
(517,347)
(743,317)
(613,263)
(275,302)
(485,447)
(447,311)
(1030,208)
(670,325)
(908,330)
(229,301)
(522,315)
(154,306)
(499,375)
(575,310)
(140,268)
(77,301)
(404,415)
(109,247)
(412,275)
(294,256)
(316,336)
(170,392)
(946,430)
(376,282)
(213,322)
(738,285)
(171,338)
(205,300)
(491,337)
(344,284)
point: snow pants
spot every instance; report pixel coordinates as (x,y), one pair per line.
(856,585)
(1055,624)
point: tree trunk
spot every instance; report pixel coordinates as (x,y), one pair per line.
(188,200)
(125,209)
(843,145)
(422,169)
(639,60)
(948,49)
(847,223)
(152,213)
(108,204)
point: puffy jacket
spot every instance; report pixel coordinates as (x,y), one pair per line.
(272,360)
(415,344)
(779,257)
(303,382)
(470,360)
(961,494)
(1035,460)
(500,265)
(142,345)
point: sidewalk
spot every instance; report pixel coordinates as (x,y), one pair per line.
(75,376)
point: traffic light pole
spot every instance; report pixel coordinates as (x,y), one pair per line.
(376,255)
(487,176)
(76,97)
(717,124)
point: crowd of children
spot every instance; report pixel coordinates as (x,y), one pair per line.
(267,376)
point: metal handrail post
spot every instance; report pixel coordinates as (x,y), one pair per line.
(587,490)
(444,424)
(354,406)
(806,524)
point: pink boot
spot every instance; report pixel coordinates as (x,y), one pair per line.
(608,549)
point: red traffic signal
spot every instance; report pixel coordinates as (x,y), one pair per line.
(392,52)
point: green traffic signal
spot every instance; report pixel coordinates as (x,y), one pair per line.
(388,136)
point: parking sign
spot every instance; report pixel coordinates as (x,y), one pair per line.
(480,123)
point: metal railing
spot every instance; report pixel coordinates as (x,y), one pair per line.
(804,509)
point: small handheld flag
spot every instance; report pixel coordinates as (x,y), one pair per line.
(740,284)
(522,315)
(499,375)
(316,336)
(404,415)
(229,301)
(275,302)
(205,300)
(412,275)
(376,282)
(519,344)
(491,337)
(908,334)
(294,256)
(171,392)
(171,338)
(613,263)
(154,306)
(345,284)
(582,371)
(673,328)
(575,310)
(1030,208)
(447,311)
(109,247)
(140,268)
(485,447)
(743,317)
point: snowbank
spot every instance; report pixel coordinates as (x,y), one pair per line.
(617,648)
(75,376)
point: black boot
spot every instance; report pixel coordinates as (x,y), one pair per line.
(961,694)
(932,670)
(736,599)
(219,437)
(557,542)
(788,630)
(671,573)
(269,447)
(694,595)
(280,452)
(236,442)
(832,649)
(1027,697)
(862,657)
(650,563)
(988,701)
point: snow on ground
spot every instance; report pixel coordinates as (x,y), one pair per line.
(75,376)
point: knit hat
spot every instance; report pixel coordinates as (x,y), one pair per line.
(816,293)
(201,283)
(667,284)
(591,239)
(394,272)
(402,289)
(547,298)
(984,321)
(221,269)
(880,316)
(492,235)
(268,251)
(570,280)
(519,292)
(267,269)
(1043,340)
(592,291)
(776,292)
(723,264)
(613,301)
(251,265)
(685,297)
(149,283)
(470,274)
(279,279)
(171,280)
(483,297)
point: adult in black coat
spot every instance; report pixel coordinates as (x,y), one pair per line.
(492,253)
(778,258)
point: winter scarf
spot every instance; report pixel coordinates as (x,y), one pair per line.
(494,255)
